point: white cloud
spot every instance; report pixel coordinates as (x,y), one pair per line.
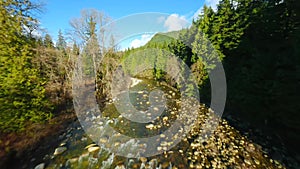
(141,41)
(211,3)
(175,22)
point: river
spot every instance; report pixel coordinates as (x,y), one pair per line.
(225,148)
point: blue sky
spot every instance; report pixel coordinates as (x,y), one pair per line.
(58,13)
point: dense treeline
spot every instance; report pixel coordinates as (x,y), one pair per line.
(34,72)
(260,42)
(22,92)
(263,70)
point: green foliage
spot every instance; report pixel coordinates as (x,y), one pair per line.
(257,40)
(48,41)
(106,70)
(182,51)
(61,43)
(266,66)
(22,93)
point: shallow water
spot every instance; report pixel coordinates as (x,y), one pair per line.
(158,106)
(153,102)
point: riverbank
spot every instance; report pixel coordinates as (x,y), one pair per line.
(18,150)
(270,142)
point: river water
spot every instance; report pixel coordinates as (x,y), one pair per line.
(158,106)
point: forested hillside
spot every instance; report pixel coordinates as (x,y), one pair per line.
(260,44)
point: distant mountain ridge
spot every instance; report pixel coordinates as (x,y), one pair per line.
(160,38)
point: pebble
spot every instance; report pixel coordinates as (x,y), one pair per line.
(162,136)
(120,167)
(149,126)
(256,161)
(59,150)
(63,144)
(92,149)
(40,166)
(247,161)
(103,140)
(83,139)
(143,159)
(165,118)
(91,145)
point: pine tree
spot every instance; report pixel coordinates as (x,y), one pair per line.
(204,24)
(61,43)
(48,41)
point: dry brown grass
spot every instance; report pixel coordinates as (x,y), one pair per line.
(20,145)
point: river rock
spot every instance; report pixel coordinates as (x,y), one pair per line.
(40,166)
(120,167)
(143,159)
(92,149)
(59,150)
(149,126)
(91,145)
(83,139)
(63,144)
(165,118)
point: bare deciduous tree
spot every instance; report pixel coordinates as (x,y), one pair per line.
(90,30)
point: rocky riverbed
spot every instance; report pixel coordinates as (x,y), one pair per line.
(225,147)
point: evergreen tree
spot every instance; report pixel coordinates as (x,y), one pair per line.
(75,49)
(48,41)
(22,94)
(61,43)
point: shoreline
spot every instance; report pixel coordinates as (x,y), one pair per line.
(17,149)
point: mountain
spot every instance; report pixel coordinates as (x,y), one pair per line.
(161,38)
